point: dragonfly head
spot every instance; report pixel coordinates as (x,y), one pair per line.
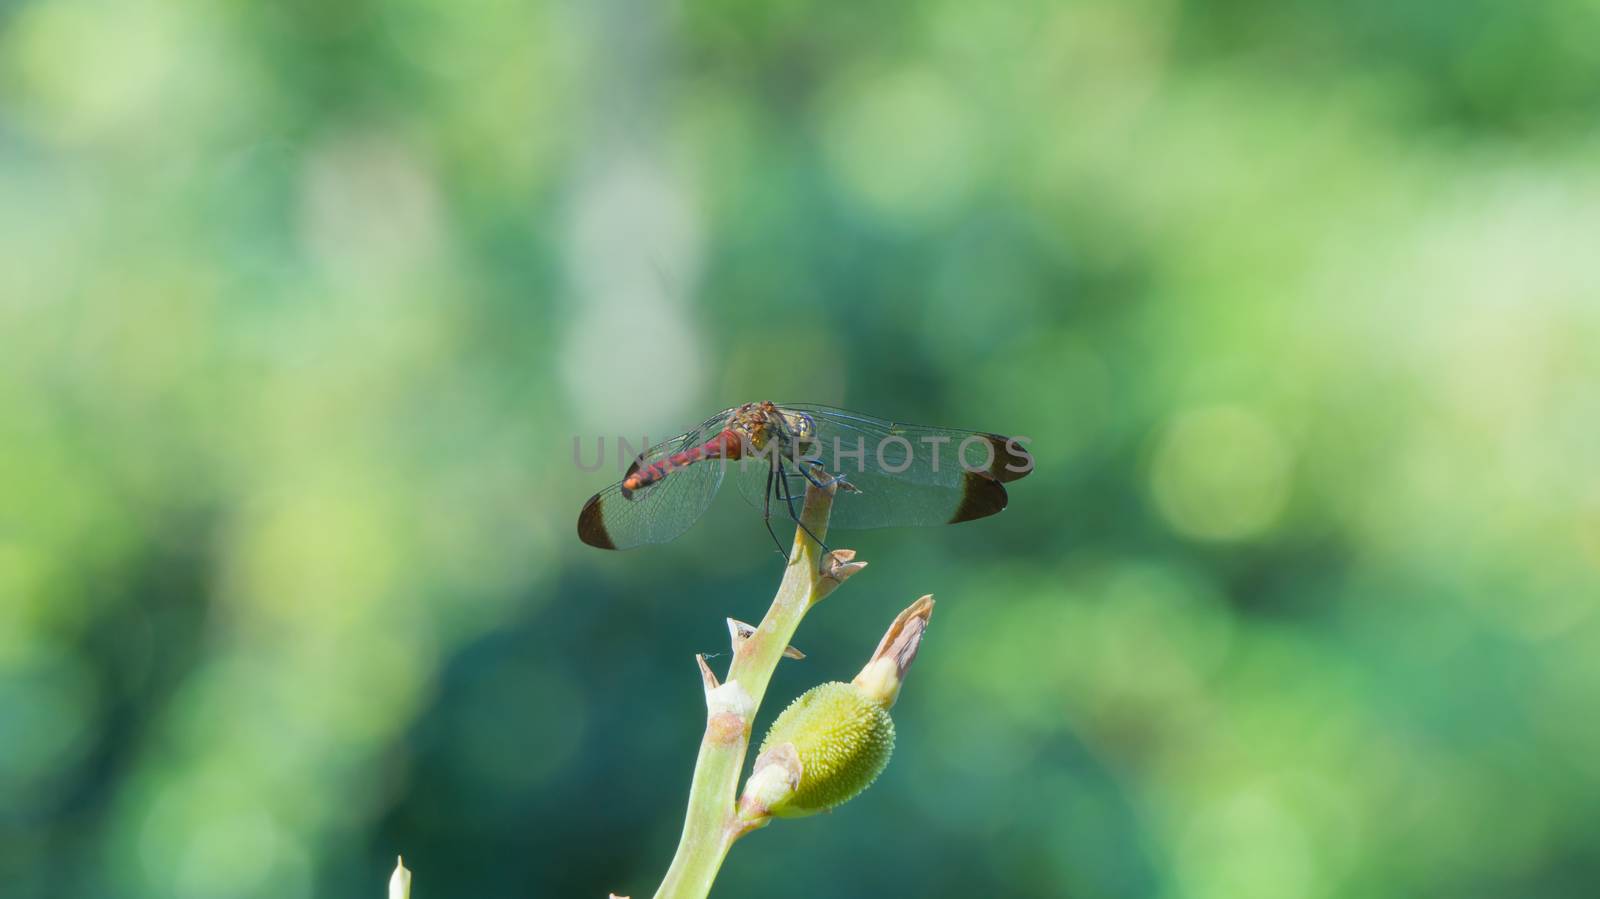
(799,427)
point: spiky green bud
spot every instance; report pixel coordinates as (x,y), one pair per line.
(834,741)
(824,749)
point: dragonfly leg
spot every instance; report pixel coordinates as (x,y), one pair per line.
(788,498)
(810,468)
(766,516)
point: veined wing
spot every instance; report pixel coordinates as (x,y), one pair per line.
(907,474)
(660,511)
(766,492)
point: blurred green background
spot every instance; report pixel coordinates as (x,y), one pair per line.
(302,304)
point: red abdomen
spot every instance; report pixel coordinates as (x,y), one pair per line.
(726,445)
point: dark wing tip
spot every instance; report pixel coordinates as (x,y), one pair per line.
(981,496)
(1011,461)
(592,525)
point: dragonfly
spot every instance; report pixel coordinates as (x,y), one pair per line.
(887,474)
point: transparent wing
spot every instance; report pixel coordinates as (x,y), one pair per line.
(755,486)
(903,474)
(660,511)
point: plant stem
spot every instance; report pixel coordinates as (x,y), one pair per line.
(711,824)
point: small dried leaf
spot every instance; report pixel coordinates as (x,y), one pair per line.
(836,567)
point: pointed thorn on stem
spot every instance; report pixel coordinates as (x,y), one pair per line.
(706,675)
(738,632)
(400,880)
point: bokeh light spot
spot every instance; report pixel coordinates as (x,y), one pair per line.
(134,48)
(901,142)
(1221,473)
(1247,846)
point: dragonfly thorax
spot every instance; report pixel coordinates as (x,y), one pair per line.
(764,427)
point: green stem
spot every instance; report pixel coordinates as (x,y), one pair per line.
(712,824)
